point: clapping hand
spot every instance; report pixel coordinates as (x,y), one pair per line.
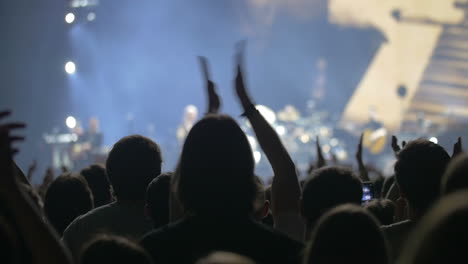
(214,102)
(241,90)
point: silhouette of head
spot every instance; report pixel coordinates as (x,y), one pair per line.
(67,197)
(113,249)
(442,234)
(216,169)
(96,176)
(133,163)
(347,234)
(327,188)
(157,199)
(456,175)
(383,210)
(418,172)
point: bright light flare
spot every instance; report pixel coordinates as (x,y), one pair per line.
(70,18)
(434,140)
(70,122)
(70,67)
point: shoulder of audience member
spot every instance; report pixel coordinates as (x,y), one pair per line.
(163,233)
(84,219)
(280,236)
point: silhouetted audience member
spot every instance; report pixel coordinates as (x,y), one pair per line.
(347,234)
(157,199)
(10,244)
(133,163)
(24,235)
(383,210)
(66,198)
(225,258)
(418,173)
(378,186)
(387,184)
(96,176)
(456,175)
(115,250)
(441,235)
(327,188)
(215,184)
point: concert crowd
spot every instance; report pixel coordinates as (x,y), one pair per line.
(212,208)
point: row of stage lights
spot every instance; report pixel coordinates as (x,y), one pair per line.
(81,8)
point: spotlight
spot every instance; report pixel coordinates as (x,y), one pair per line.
(70,67)
(91,16)
(434,140)
(69,18)
(70,122)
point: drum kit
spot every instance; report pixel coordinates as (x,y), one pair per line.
(299,134)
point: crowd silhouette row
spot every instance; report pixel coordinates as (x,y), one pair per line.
(213,208)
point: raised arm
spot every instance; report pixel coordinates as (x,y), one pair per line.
(285,186)
(320,158)
(363,174)
(39,238)
(214,103)
(31,170)
(457,148)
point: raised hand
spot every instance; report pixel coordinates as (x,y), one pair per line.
(362,168)
(241,90)
(457,147)
(46,180)
(396,148)
(6,149)
(285,188)
(38,236)
(31,170)
(320,159)
(214,102)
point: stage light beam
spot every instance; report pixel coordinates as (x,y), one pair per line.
(70,67)
(69,18)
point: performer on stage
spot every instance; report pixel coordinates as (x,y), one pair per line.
(88,146)
(189,119)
